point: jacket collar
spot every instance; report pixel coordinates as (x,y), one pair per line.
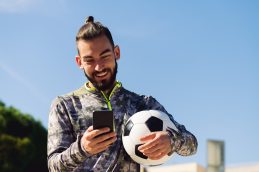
(92,89)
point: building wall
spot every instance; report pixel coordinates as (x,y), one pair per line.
(190,167)
(194,167)
(244,168)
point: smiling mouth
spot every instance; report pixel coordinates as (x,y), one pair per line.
(101,74)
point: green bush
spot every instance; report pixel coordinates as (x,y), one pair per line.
(23,142)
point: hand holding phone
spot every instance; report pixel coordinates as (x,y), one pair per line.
(102,119)
(96,141)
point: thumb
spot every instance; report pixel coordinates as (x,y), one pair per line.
(89,129)
(148,137)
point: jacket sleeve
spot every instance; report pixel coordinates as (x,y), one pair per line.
(183,142)
(64,147)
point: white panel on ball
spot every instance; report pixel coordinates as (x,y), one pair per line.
(130,145)
(140,117)
(138,131)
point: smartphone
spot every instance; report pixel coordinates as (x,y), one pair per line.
(103,119)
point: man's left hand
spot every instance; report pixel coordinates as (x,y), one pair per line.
(157,145)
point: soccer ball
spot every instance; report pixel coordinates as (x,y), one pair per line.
(139,125)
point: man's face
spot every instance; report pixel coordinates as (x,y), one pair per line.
(97,58)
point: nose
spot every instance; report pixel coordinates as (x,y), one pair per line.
(99,66)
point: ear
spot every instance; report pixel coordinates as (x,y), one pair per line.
(117,52)
(79,62)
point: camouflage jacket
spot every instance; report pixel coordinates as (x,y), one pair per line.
(71,114)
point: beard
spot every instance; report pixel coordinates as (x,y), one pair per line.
(106,84)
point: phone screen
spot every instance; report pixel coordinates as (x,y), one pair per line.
(103,119)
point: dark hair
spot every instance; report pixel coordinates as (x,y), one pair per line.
(91,30)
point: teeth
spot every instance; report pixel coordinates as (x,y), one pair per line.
(101,74)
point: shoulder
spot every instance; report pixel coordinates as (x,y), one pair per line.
(131,95)
(147,99)
(78,92)
(68,97)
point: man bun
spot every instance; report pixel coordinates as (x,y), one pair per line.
(89,19)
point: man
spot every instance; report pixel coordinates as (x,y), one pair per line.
(73,144)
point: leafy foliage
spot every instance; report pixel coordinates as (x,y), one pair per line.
(23,142)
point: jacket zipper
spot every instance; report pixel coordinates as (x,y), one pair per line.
(108,99)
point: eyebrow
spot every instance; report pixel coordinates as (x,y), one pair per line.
(105,51)
(102,53)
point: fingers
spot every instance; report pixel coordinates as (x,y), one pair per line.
(93,133)
(90,129)
(103,145)
(157,156)
(148,137)
(157,147)
(154,149)
(156,152)
(103,138)
(95,141)
(149,144)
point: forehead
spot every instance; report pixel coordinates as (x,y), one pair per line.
(93,46)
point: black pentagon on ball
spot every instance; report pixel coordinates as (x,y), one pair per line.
(154,124)
(127,128)
(138,153)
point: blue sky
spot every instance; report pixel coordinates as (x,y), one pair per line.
(200,59)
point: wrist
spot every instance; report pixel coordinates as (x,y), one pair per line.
(170,135)
(82,148)
(176,140)
(82,145)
